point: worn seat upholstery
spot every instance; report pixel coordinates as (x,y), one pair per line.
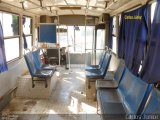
(112,83)
(93,67)
(126,99)
(38,62)
(35,72)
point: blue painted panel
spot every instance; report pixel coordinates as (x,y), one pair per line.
(47,33)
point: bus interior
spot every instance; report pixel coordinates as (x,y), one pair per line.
(79,60)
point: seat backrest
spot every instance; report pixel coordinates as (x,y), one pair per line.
(30,63)
(120,70)
(102,58)
(37,58)
(105,63)
(152,106)
(132,91)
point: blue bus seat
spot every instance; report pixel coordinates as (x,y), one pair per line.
(112,83)
(39,73)
(38,62)
(129,96)
(152,106)
(100,73)
(93,67)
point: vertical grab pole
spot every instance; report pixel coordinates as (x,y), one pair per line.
(85,39)
(58,39)
(68,50)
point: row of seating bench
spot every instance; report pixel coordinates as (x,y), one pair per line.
(94,72)
(126,96)
(37,69)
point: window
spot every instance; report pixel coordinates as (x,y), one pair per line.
(153,6)
(74,37)
(63,36)
(12,46)
(0,16)
(27,30)
(71,38)
(100,39)
(100,45)
(89,36)
(114,36)
(10,25)
(79,39)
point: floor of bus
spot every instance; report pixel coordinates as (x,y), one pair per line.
(67,101)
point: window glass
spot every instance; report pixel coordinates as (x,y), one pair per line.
(120,19)
(74,37)
(153,6)
(11,48)
(100,39)
(63,36)
(114,44)
(100,44)
(79,39)
(89,37)
(27,25)
(29,41)
(10,24)
(71,38)
(1,17)
(27,30)
(114,26)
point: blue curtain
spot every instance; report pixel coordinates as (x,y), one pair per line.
(151,67)
(132,37)
(110,32)
(121,38)
(141,40)
(3,63)
(25,45)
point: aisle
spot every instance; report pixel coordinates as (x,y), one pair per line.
(67,101)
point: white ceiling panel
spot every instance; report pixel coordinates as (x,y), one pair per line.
(48,7)
(81,2)
(92,2)
(13,2)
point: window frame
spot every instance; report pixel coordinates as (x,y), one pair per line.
(31,30)
(14,36)
(115,33)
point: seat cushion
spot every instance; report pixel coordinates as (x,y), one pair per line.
(92,67)
(98,71)
(48,67)
(109,75)
(97,74)
(113,111)
(44,73)
(104,84)
(108,95)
